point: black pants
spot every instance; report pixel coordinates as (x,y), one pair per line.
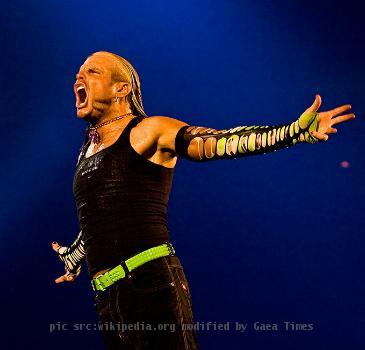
(150,309)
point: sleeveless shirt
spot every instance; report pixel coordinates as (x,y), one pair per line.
(121,199)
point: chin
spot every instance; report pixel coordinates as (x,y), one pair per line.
(83,113)
(87,113)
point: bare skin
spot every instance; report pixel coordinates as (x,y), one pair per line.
(154,137)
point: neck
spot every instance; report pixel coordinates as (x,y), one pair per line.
(115,110)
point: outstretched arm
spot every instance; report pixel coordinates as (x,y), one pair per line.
(72,257)
(203,144)
(198,143)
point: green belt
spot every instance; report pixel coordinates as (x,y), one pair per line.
(115,274)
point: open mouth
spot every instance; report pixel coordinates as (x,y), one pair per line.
(81,95)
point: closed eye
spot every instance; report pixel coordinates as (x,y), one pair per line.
(93,71)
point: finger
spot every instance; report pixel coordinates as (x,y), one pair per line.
(60,279)
(55,246)
(332,131)
(322,137)
(316,104)
(69,275)
(65,278)
(70,278)
(342,118)
(340,109)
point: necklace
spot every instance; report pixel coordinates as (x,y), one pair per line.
(93,134)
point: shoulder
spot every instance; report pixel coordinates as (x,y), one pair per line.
(161,124)
(159,129)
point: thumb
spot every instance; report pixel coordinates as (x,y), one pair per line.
(316,104)
(308,116)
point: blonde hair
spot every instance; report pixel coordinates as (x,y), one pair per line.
(124,71)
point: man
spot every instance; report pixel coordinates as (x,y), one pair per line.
(121,187)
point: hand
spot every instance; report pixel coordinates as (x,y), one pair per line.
(68,276)
(326,119)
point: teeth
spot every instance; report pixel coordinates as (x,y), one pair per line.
(80,104)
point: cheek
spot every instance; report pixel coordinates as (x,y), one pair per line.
(101,89)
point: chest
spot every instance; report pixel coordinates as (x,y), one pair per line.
(142,143)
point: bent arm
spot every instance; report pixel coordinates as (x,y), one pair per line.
(73,255)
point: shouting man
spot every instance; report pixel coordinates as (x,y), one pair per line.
(121,187)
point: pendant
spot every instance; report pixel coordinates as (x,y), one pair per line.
(94,136)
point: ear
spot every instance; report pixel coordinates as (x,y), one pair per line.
(122,89)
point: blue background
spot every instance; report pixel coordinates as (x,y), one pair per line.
(271,238)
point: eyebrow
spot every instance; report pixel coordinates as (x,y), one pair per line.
(95,68)
(91,67)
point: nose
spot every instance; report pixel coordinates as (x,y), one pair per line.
(80,77)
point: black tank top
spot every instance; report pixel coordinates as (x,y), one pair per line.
(121,200)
